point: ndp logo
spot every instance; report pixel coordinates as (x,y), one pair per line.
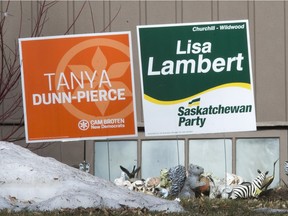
(94,76)
(83,125)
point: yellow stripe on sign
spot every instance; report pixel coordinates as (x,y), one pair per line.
(155,101)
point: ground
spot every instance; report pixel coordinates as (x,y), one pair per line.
(277,194)
(274,201)
(34,185)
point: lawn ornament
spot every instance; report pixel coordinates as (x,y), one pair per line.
(192,182)
(268,180)
(249,189)
(177,176)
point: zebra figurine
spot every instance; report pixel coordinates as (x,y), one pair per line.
(249,189)
(286,167)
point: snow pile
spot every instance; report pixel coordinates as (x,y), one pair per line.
(31,182)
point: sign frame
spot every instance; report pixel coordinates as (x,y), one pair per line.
(81,94)
(169,52)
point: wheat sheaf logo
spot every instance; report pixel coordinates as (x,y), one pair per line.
(194,102)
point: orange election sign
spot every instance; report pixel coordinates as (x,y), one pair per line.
(78,87)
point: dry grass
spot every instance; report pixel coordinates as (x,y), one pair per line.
(272,202)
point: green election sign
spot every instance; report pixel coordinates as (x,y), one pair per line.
(196,78)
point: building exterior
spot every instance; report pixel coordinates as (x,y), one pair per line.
(241,153)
